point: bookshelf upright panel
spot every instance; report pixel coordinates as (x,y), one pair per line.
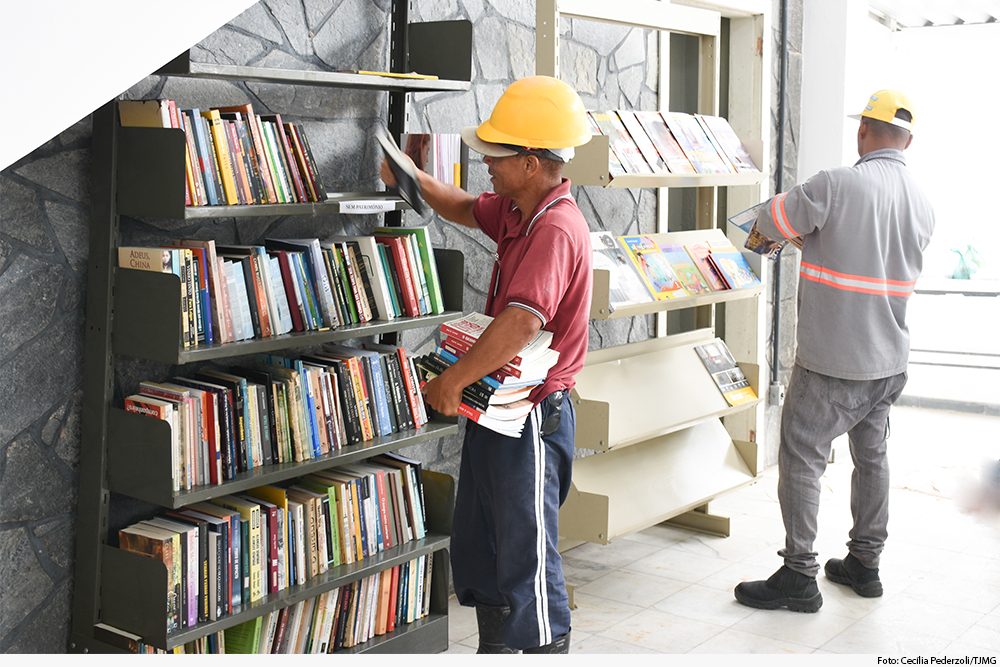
(649,409)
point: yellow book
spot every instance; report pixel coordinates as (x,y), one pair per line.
(222,152)
(249,512)
(277,496)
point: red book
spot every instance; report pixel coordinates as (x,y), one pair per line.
(300,161)
(412,390)
(294,304)
(400,262)
(293,169)
(269,512)
(383,508)
(390,623)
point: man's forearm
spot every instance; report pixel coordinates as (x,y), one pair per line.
(507,335)
(450,201)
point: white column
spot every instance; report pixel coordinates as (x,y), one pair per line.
(836,56)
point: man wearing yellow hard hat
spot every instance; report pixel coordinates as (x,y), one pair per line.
(863,231)
(505,530)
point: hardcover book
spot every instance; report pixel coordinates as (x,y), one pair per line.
(404,171)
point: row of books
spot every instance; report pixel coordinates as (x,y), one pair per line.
(653,142)
(281,409)
(239,548)
(342,618)
(440,155)
(643,270)
(238,292)
(498,401)
(234,156)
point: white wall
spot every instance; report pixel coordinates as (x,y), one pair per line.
(830,92)
(62,59)
(946,72)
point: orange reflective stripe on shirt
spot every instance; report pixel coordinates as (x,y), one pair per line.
(779,217)
(852,283)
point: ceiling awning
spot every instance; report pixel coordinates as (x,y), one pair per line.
(899,14)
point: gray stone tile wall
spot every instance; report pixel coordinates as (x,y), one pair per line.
(44,208)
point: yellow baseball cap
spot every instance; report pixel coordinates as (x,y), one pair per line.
(883,106)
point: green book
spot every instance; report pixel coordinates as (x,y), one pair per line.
(245,637)
(427,260)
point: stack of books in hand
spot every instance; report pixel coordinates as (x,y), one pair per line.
(498,401)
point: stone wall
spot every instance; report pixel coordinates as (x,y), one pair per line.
(44,205)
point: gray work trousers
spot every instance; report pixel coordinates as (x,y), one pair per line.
(817,409)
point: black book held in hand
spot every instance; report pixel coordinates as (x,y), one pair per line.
(403,170)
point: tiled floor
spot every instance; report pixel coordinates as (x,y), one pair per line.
(669,590)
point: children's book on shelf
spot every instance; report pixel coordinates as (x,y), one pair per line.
(642,141)
(615,167)
(721,133)
(699,253)
(698,148)
(621,143)
(625,285)
(665,143)
(733,268)
(725,372)
(685,270)
(652,267)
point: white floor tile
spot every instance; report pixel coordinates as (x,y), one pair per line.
(812,630)
(678,564)
(703,603)
(662,632)
(905,613)
(872,638)
(594,613)
(632,588)
(736,642)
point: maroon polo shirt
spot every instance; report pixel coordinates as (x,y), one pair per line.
(543,266)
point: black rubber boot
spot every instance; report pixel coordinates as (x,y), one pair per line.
(490,620)
(785,588)
(559,645)
(851,572)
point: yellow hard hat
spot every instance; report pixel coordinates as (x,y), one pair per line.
(536,112)
(883,106)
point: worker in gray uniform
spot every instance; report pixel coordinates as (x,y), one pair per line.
(863,231)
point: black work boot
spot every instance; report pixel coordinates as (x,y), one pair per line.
(490,620)
(785,588)
(558,645)
(851,572)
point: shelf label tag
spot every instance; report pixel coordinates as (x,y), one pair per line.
(367,206)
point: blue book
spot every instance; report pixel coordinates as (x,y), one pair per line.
(204,157)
